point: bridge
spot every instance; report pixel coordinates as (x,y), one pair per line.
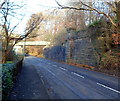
(19,47)
(33,43)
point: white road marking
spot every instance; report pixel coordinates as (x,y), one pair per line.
(42,79)
(55,65)
(77,74)
(34,93)
(108,88)
(51,72)
(63,69)
(14,95)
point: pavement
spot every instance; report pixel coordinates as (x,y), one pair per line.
(46,79)
(28,84)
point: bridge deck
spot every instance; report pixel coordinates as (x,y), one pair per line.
(33,43)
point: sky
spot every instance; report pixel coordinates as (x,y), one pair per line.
(32,7)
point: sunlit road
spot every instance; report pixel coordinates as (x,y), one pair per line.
(63,81)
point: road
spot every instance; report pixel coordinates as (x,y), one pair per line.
(63,81)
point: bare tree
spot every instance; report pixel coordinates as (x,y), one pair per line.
(33,24)
(10,10)
(115,6)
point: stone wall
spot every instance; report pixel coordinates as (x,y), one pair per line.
(79,48)
(55,53)
(82,52)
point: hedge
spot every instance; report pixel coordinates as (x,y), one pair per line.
(9,74)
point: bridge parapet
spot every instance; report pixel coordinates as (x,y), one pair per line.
(33,43)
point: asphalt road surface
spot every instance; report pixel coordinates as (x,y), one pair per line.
(62,81)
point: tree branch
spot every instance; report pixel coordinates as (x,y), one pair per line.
(2,4)
(66,7)
(93,9)
(89,9)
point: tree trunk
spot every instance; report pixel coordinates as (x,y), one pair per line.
(4,57)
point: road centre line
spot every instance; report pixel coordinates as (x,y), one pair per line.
(55,65)
(63,69)
(77,74)
(108,88)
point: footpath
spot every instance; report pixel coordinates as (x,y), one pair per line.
(28,85)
